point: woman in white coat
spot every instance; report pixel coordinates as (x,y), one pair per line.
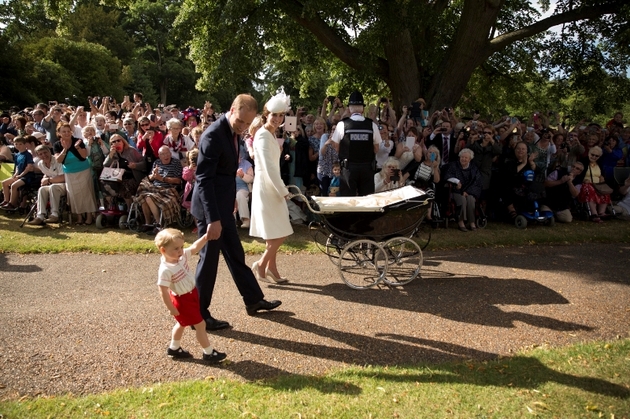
(270,214)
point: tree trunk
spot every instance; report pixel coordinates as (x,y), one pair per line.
(403,79)
(469,49)
(163,88)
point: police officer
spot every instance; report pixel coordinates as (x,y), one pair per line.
(357,141)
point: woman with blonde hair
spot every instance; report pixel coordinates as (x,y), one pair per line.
(390,176)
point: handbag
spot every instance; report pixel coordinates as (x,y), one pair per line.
(600,188)
(112,173)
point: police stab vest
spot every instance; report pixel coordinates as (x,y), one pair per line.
(356,146)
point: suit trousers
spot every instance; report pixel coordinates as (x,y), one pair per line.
(230,246)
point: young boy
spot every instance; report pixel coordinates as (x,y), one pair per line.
(333,189)
(22,175)
(177,288)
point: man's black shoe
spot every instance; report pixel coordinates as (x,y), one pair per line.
(214,324)
(262,305)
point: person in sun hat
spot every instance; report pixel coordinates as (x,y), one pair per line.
(357,140)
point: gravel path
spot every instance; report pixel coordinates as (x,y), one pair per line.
(85,323)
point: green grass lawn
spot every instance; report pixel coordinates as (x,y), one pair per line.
(73,238)
(581,381)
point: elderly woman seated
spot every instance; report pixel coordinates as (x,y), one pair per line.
(158,191)
(127,158)
(389,177)
(467,185)
(588,193)
(53,187)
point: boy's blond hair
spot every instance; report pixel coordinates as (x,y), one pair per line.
(168,236)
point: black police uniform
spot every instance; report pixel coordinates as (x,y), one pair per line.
(356,154)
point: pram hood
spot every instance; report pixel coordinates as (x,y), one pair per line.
(377,202)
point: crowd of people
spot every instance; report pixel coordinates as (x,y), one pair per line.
(499,167)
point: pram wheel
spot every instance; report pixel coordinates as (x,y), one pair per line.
(122,222)
(482,222)
(404,258)
(334,246)
(362,264)
(520,222)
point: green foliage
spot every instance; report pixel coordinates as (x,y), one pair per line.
(82,68)
(96,24)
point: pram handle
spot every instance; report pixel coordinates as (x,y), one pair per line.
(299,194)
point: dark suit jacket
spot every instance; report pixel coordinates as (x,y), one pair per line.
(215,185)
(438,142)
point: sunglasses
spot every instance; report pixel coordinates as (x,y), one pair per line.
(594,155)
(488,132)
(145,125)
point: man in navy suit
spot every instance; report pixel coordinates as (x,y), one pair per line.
(212,206)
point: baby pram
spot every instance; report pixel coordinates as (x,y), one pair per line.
(369,238)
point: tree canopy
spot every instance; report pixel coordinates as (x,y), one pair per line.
(494,55)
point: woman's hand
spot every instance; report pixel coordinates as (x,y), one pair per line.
(459,186)
(132,165)
(78,143)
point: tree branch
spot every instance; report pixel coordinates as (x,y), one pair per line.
(350,55)
(592,12)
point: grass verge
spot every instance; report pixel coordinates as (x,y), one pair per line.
(590,380)
(65,238)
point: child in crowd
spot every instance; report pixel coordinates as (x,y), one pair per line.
(188,174)
(333,189)
(22,175)
(176,283)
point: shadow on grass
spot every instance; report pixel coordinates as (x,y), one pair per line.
(5,267)
(260,373)
(474,300)
(515,372)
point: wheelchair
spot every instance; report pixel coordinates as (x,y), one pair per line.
(32,213)
(135,218)
(114,212)
(449,210)
(528,209)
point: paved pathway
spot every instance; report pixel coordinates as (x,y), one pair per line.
(86,323)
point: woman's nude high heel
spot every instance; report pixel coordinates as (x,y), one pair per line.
(280,280)
(257,274)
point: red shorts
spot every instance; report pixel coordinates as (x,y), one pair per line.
(188,307)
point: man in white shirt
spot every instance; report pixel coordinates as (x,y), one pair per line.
(357,140)
(53,187)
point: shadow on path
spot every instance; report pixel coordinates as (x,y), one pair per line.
(464,299)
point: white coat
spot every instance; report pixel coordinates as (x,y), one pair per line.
(270,214)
